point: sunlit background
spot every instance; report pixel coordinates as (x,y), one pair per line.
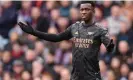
(25,57)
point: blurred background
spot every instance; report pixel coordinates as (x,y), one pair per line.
(25,57)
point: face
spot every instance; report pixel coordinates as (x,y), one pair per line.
(110,75)
(26,75)
(86,11)
(74,14)
(26,4)
(123,47)
(47,77)
(35,13)
(37,78)
(37,67)
(115,63)
(30,55)
(124,70)
(6,76)
(18,69)
(6,57)
(39,47)
(65,74)
(130,77)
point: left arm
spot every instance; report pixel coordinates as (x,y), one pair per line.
(107,41)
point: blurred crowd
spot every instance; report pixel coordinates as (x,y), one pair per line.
(26,57)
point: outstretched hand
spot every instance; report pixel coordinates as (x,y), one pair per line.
(26,27)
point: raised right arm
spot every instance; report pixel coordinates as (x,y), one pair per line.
(66,35)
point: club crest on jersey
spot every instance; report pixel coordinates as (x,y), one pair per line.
(90,33)
(76,32)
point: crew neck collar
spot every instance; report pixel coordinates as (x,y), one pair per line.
(87,25)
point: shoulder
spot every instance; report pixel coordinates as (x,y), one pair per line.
(100,27)
(76,24)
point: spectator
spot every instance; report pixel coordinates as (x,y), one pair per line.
(40,49)
(115,66)
(74,15)
(48,7)
(37,78)
(31,41)
(52,49)
(38,21)
(50,60)
(26,75)
(50,65)
(65,8)
(8,18)
(103,69)
(130,77)
(7,76)
(17,51)
(52,30)
(47,76)
(107,8)
(7,61)
(111,75)
(65,74)
(123,32)
(57,69)
(37,68)
(124,51)
(62,55)
(115,19)
(104,55)
(12,39)
(127,10)
(3,42)
(124,70)
(55,15)
(98,14)
(18,68)
(30,56)
(24,12)
(62,24)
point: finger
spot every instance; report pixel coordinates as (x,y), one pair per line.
(21,24)
(111,42)
(28,23)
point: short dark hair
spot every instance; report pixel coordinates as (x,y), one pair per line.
(90,2)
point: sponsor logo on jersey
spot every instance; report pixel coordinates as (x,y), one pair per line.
(82,43)
(90,33)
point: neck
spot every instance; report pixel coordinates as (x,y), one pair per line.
(89,21)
